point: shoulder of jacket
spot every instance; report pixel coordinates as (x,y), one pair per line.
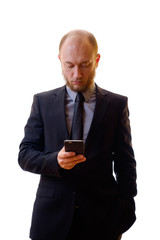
(110,94)
(50,93)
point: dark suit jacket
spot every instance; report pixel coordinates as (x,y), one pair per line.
(106,204)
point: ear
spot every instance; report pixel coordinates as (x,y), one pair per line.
(97,59)
(59,57)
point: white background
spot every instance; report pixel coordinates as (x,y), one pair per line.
(128,34)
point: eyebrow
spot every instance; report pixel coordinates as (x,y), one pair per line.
(68,62)
(87,61)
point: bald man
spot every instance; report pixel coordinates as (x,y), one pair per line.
(78,196)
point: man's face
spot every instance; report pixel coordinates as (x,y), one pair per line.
(79,62)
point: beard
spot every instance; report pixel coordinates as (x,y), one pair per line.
(83,87)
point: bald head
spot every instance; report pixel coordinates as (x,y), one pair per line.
(80,35)
(79,59)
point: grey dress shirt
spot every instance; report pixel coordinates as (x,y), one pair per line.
(89,106)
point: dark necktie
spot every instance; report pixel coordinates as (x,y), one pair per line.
(77,123)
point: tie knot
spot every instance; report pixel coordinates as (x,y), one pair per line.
(79,97)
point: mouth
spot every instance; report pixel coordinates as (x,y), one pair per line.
(77,82)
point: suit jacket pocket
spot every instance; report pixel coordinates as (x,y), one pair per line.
(45,193)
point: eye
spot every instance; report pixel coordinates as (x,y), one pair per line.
(69,65)
(85,64)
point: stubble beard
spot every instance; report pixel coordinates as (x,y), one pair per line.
(81,88)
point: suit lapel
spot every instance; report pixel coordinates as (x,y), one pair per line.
(100,110)
(59,105)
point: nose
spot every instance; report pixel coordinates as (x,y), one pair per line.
(77,72)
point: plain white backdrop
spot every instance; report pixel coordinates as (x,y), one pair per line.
(128,34)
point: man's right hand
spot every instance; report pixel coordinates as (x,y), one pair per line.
(68,160)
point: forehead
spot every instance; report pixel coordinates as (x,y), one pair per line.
(77,47)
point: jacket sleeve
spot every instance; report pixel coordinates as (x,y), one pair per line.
(32,155)
(124,161)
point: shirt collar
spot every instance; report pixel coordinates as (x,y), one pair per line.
(87,93)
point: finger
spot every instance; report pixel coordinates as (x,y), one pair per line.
(63,154)
(74,158)
(75,162)
(68,155)
(79,161)
(70,165)
(70,160)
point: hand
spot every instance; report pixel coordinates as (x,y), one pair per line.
(68,160)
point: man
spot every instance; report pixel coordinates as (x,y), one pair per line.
(78,196)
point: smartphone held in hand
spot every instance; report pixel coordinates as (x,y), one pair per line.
(76,146)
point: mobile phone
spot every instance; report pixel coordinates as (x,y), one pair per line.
(76,146)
